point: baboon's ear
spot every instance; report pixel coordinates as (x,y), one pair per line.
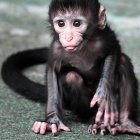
(102,18)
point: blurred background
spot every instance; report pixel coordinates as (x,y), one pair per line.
(23,25)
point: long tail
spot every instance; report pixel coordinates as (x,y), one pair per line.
(12,73)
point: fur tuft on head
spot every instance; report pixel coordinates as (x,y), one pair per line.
(84,6)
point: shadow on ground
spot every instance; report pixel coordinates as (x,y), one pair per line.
(23,25)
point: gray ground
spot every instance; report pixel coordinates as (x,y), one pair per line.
(23,25)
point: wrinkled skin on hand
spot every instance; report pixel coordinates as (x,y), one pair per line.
(53,125)
(107,114)
(124,126)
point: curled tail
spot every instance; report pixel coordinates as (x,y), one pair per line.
(12,73)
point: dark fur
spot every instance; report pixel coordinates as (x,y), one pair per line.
(88,68)
(12,73)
